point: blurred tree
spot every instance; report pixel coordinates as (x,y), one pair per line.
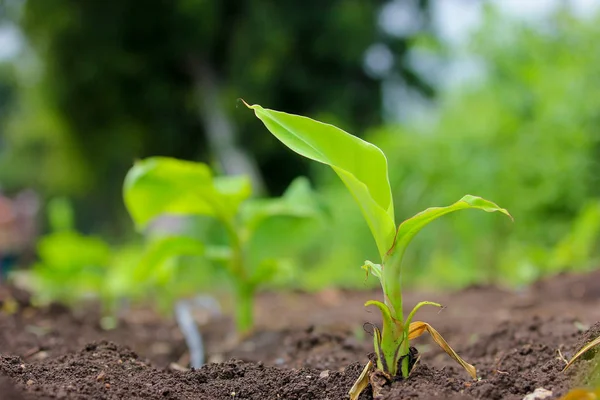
(131,81)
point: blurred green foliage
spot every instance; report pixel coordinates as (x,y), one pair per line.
(525,135)
(104,84)
(157,189)
(73,267)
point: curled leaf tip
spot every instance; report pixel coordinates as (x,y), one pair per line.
(246,104)
(486,205)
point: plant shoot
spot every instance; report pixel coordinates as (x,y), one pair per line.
(363,169)
(160,186)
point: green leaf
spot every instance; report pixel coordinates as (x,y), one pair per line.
(273,269)
(359,164)
(162,185)
(161,250)
(71,251)
(409,228)
(298,201)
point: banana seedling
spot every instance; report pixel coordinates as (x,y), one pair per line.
(160,186)
(363,169)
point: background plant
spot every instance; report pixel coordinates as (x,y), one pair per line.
(232,226)
(69,127)
(73,267)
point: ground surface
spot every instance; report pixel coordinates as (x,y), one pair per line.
(305,347)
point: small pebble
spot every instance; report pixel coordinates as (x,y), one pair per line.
(324,374)
(107,385)
(538,394)
(30,382)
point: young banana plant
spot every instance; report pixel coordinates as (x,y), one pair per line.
(363,168)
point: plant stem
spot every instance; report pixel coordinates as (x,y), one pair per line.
(244,291)
(392,285)
(244,307)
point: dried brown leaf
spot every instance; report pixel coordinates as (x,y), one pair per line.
(584,349)
(362,382)
(416,329)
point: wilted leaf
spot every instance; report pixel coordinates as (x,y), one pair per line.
(582,394)
(359,164)
(362,382)
(583,350)
(418,328)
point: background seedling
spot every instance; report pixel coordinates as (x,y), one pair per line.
(86,265)
(363,169)
(234,235)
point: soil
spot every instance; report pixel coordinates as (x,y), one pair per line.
(306,346)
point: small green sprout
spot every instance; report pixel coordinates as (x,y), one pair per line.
(159,186)
(363,169)
(73,267)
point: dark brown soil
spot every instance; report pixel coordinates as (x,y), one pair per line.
(307,346)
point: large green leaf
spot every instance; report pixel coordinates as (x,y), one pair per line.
(71,251)
(409,228)
(159,251)
(298,201)
(162,185)
(361,165)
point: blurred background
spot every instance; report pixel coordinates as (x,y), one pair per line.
(491,98)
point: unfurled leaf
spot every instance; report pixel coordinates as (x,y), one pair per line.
(362,166)
(298,201)
(161,250)
(72,251)
(409,228)
(418,328)
(162,185)
(269,269)
(583,350)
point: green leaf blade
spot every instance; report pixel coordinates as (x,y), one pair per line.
(410,227)
(298,201)
(160,250)
(362,166)
(161,185)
